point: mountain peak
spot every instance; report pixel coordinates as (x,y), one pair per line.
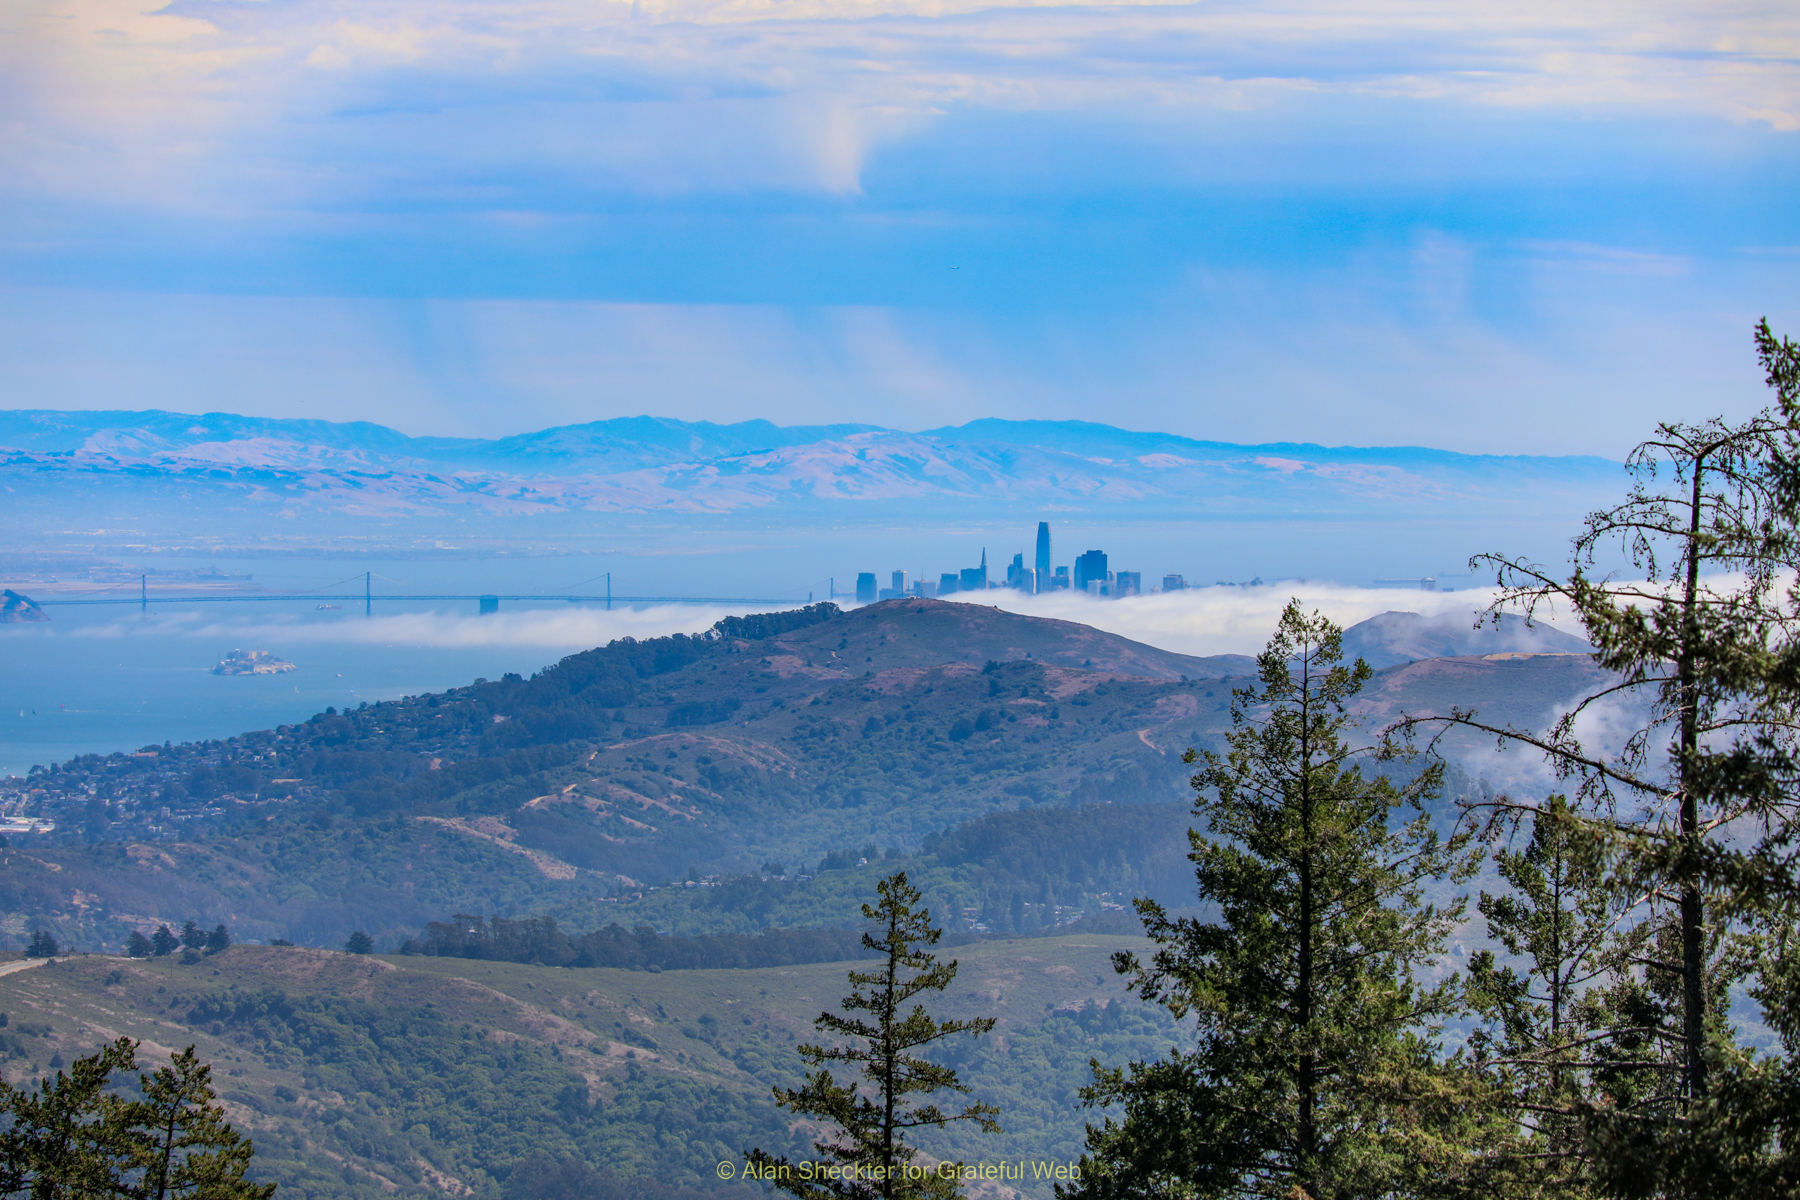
(925,633)
(1392,638)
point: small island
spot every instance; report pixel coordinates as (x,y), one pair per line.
(16,609)
(252,662)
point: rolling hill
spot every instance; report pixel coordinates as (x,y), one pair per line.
(761,776)
(360,1077)
(1393,638)
(737,761)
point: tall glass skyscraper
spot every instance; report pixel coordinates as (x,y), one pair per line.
(1043,556)
(1089,568)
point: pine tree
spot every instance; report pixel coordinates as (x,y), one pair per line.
(138,946)
(42,945)
(1313,1071)
(870,1156)
(163,942)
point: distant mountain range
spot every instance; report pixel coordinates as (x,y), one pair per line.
(233,468)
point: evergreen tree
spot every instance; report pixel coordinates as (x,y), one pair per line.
(1702,799)
(72,1138)
(219,939)
(63,1139)
(360,943)
(163,942)
(1565,1027)
(1705,642)
(182,1146)
(1645,1137)
(873,1116)
(1743,1139)
(42,945)
(138,946)
(192,936)
(1313,1073)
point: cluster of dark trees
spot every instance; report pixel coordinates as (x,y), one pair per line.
(538,940)
(164,942)
(574,699)
(77,1134)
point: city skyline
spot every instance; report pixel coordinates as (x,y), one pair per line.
(1090,574)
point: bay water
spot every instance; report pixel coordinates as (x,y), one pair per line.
(105,678)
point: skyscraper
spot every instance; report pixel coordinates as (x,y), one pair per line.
(974,579)
(1043,553)
(1088,568)
(865,588)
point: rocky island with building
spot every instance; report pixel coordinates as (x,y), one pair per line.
(252,662)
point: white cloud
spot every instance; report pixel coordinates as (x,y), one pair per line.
(561,630)
(1232,620)
(215,107)
(1200,621)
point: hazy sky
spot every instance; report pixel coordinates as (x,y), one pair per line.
(1500,225)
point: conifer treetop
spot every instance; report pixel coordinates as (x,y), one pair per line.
(867,1157)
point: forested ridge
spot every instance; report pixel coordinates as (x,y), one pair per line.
(406,812)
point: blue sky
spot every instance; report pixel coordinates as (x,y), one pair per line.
(1516,227)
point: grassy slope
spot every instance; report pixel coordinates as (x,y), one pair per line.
(362,1077)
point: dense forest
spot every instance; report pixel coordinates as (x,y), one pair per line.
(538,940)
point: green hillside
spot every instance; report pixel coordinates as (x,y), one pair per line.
(765,751)
(365,1077)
